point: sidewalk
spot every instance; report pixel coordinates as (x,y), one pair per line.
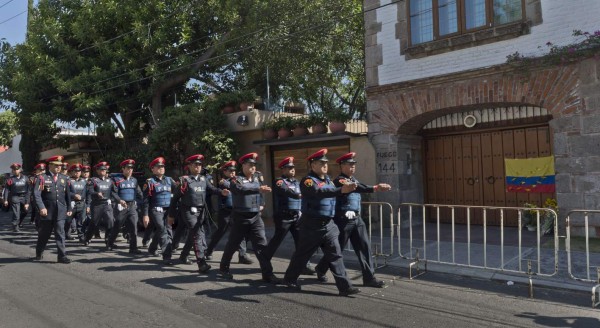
(399,265)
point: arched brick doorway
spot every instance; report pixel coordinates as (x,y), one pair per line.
(465,165)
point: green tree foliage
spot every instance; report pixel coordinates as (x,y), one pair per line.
(8,128)
(192,129)
(120,62)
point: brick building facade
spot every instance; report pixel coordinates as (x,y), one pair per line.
(418,93)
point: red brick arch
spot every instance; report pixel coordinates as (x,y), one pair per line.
(405,109)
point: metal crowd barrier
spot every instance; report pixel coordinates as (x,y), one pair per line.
(420,255)
(588,266)
(379,246)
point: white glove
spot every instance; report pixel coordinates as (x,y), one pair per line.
(119,207)
(350,215)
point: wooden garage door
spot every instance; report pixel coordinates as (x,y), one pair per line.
(468,169)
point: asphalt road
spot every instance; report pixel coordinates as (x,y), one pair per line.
(113,289)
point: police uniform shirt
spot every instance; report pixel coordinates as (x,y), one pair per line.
(157,193)
(79,187)
(98,186)
(246,194)
(192,191)
(287,194)
(50,193)
(126,189)
(16,186)
(350,201)
(318,196)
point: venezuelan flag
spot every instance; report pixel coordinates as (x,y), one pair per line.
(530,174)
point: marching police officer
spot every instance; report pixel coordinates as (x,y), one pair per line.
(224,222)
(126,192)
(79,200)
(17,193)
(287,206)
(192,193)
(85,174)
(53,199)
(99,191)
(157,199)
(39,169)
(317,228)
(64,169)
(350,224)
(246,221)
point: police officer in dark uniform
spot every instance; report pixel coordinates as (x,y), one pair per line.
(191,195)
(246,221)
(79,200)
(17,193)
(64,170)
(317,228)
(350,224)
(224,220)
(99,191)
(287,206)
(157,199)
(39,169)
(125,194)
(53,199)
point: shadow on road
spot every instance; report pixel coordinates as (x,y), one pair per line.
(572,322)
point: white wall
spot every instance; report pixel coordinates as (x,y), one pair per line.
(560,18)
(11,155)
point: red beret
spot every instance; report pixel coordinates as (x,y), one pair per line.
(86,168)
(40,166)
(198,158)
(76,167)
(56,160)
(286,162)
(15,166)
(248,158)
(228,165)
(346,158)
(318,156)
(128,162)
(157,161)
(102,166)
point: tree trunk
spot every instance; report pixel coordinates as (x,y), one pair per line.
(30,150)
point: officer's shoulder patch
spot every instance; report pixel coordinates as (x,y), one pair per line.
(308,182)
(279,182)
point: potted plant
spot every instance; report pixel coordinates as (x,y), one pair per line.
(300,126)
(318,123)
(269,131)
(337,120)
(245,98)
(284,126)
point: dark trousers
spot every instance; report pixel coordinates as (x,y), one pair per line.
(223,225)
(102,213)
(163,234)
(79,216)
(78,210)
(148,233)
(54,221)
(127,217)
(252,227)
(315,233)
(196,236)
(354,230)
(181,231)
(17,208)
(283,224)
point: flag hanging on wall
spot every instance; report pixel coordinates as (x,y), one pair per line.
(530,174)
